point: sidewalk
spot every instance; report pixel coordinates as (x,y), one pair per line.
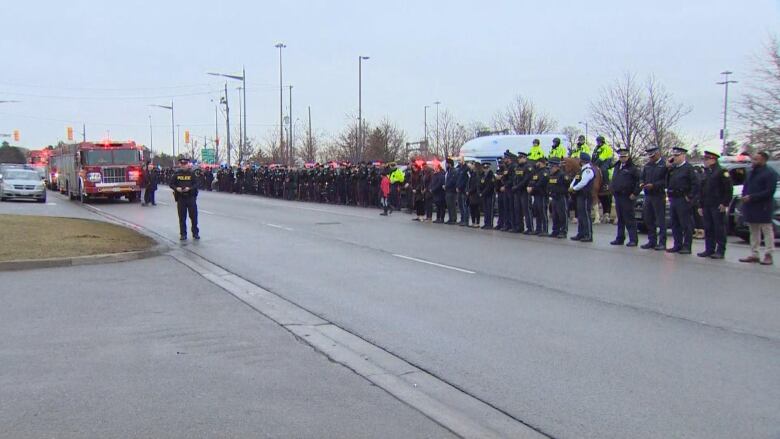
(150,349)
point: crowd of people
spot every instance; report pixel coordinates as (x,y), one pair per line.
(534,193)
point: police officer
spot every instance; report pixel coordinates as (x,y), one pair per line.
(537,188)
(683,190)
(557,150)
(653,183)
(625,188)
(716,194)
(487,191)
(522,221)
(580,147)
(582,187)
(558,187)
(185,192)
(536,152)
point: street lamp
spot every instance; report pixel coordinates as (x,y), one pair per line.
(725,82)
(437,126)
(242,78)
(9,102)
(586,130)
(425,123)
(281,46)
(151,136)
(361,58)
(173,128)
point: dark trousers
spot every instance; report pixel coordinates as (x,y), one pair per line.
(475,213)
(487,206)
(540,204)
(654,213)
(149,196)
(714,230)
(517,214)
(428,206)
(509,209)
(463,204)
(525,211)
(419,206)
(626,221)
(501,211)
(440,201)
(682,222)
(451,199)
(560,214)
(187,205)
(584,222)
(395,196)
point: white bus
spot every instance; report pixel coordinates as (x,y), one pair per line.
(490,149)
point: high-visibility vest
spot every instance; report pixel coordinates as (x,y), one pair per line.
(559,152)
(536,153)
(397,176)
(579,149)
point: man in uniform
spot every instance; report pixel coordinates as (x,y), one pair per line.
(522,220)
(537,188)
(558,187)
(557,150)
(716,194)
(185,192)
(510,164)
(580,147)
(603,158)
(653,183)
(683,190)
(582,187)
(625,188)
(487,190)
(536,152)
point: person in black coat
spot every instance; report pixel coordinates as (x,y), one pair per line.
(487,191)
(757,206)
(625,188)
(653,183)
(716,193)
(461,188)
(150,181)
(437,192)
(450,192)
(683,189)
(185,192)
(473,194)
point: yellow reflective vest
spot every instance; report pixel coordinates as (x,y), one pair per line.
(579,149)
(559,152)
(536,153)
(397,176)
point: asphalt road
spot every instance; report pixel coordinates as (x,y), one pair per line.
(577,340)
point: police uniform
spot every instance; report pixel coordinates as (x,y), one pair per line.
(582,186)
(653,183)
(557,151)
(538,189)
(716,195)
(625,188)
(522,220)
(558,187)
(682,187)
(536,152)
(487,191)
(185,192)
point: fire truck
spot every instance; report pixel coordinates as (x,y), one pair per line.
(107,169)
(39,160)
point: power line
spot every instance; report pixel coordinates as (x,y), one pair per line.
(110,98)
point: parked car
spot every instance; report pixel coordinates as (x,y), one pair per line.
(740,227)
(22,183)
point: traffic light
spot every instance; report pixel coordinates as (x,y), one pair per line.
(217,141)
(17,136)
(187,136)
(70,133)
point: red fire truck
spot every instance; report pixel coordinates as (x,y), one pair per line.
(39,160)
(108,169)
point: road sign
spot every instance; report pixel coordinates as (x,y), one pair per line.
(208,155)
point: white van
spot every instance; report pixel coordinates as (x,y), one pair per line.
(489,149)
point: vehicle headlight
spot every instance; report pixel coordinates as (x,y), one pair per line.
(94,177)
(134,175)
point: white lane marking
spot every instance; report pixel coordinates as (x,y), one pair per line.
(448,267)
(163,203)
(207,212)
(51,204)
(276,226)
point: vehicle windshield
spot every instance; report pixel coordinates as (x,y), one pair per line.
(22,175)
(110,157)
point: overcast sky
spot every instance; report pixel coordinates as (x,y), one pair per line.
(104,62)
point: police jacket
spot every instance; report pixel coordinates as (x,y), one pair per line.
(487,184)
(716,188)
(539,181)
(473,186)
(558,183)
(451,179)
(523,174)
(150,180)
(437,183)
(625,180)
(509,177)
(655,173)
(184,178)
(683,182)
(463,178)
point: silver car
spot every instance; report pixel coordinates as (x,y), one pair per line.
(22,183)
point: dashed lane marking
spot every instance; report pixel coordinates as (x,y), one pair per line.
(276,226)
(435,264)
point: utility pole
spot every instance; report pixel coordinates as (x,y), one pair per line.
(725,82)
(425,121)
(240,131)
(360,105)
(437,127)
(151,136)
(243,79)
(281,46)
(310,144)
(227,125)
(291,145)
(84,133)
(216,133)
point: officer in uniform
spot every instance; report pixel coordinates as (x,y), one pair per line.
(558,187)
(185,192)
(537,188)
(582,187)
(557,151)
(510,162)
(716,194)
(683,190)
(653,183)
(536,152)
(580,147)
(487,191)
(522,205)
(625,188)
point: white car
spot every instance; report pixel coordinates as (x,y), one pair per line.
(22,183)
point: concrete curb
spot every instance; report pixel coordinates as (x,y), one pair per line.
(32,264)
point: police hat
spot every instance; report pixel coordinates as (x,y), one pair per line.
(651,149)
(678,150)
(510,155)
(521,154)
(711,155)
(555,161)
(585,157)
(622,151)
(183,159)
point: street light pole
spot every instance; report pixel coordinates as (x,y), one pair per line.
(173,129)
(725,82)
(291,145)
(240,130)
(227,125)
(425,122)
(281,46)
(360,104)
(437,127)
(586,130)
(151,136)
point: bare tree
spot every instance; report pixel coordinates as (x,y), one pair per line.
(385,142)
(452,135)
(620,114)
(662,114)
(310,148)
(522,117)
(571,132)
(761,104)
(272,149)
